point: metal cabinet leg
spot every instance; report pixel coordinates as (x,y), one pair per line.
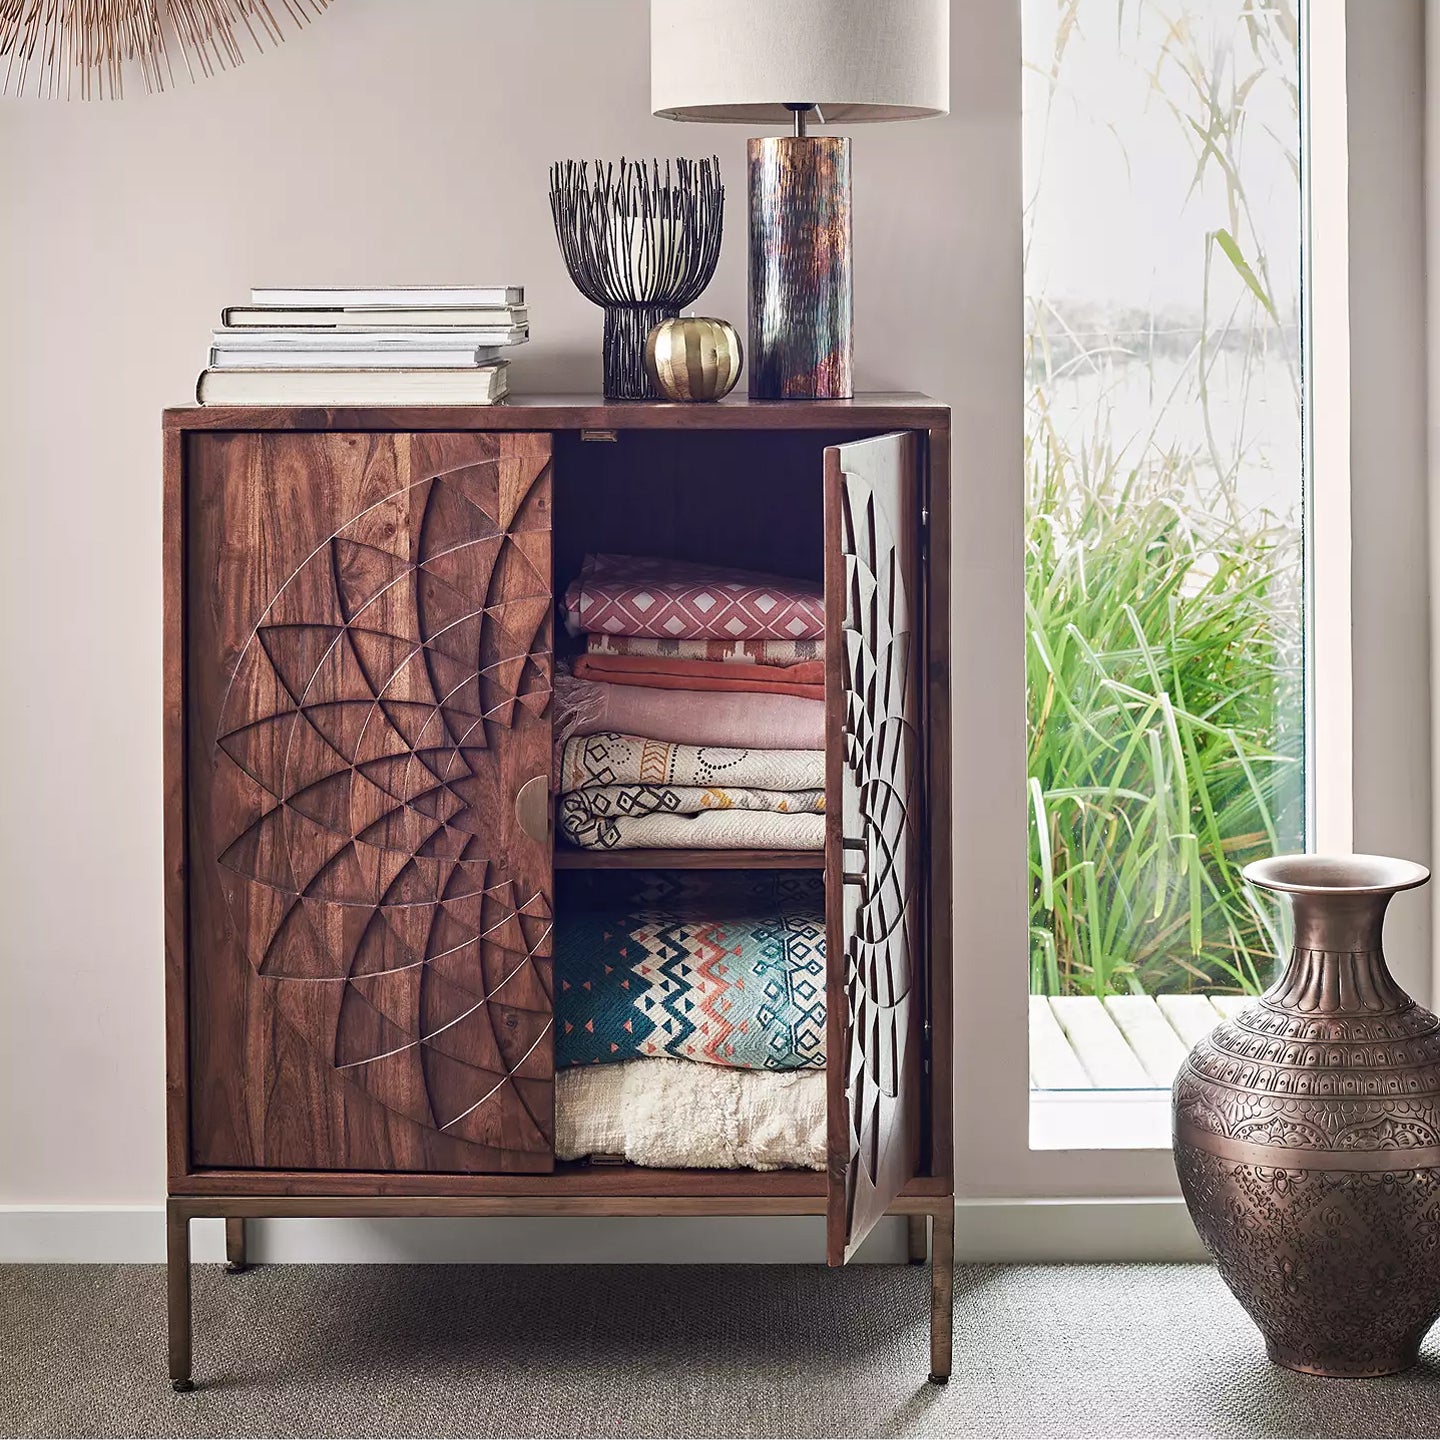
(177,1282)
(918,1238)
(942,1292)
(235,1260)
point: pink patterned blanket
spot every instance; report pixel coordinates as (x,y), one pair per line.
(673,599)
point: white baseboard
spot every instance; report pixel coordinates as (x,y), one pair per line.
(1036,1232)
(1018,1231)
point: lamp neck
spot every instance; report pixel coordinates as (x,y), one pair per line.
(801,112)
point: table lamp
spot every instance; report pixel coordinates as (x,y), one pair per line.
(834,62)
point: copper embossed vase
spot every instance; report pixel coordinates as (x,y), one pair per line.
(1307,1133)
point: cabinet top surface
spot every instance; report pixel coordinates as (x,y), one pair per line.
(897,410)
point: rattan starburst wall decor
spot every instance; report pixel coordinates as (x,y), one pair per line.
(85,49)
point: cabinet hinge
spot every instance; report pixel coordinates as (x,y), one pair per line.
(925,1046)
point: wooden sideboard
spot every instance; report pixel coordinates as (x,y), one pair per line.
(333,912)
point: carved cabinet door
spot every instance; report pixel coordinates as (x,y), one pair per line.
(368,701)
(875,807)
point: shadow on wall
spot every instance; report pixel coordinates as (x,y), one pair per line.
(557,372)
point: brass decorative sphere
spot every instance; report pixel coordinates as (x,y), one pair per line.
(694,357)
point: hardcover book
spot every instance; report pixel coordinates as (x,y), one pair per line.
(327,296)
(470,385)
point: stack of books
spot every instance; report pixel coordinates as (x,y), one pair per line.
(405,345)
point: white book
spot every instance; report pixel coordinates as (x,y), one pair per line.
(327,296)
(224,358)
(398,340)
(474,385)
(423,317)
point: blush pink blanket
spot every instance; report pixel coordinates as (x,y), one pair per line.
(688,717)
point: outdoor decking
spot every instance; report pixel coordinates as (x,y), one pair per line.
(1128,1042)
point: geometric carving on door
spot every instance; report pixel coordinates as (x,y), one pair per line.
(880,822)
(369,854)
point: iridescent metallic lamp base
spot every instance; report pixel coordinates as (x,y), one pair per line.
(801,297)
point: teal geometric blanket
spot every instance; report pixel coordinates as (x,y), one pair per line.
(728,974)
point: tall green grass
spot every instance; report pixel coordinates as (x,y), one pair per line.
(1163,669)
(1163,648)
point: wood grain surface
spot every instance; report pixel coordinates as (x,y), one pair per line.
(368,686)
(877,411)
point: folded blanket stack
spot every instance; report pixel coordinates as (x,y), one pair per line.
(729,972)
(695,718)
(690,1007)
(723,968)
(620,792)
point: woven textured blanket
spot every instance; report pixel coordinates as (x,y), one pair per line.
(687,717)
(806,679)
(728,652)
(674,599)
(671,1114)
(612,758)
(727,984)
(585,815)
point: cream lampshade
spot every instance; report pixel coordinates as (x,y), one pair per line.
(794,61)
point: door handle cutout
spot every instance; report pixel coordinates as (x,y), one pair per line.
(862,875)
(532,808)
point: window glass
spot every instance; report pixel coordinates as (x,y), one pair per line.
(1165,506)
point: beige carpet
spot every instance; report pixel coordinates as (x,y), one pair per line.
(1116,1350)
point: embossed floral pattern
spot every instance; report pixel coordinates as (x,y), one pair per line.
(1307,1135)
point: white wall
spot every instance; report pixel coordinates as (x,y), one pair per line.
(387,142)
(1390,560)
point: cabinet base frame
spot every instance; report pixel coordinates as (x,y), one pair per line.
(180,1210)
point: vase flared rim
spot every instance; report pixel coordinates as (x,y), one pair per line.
(1335,874)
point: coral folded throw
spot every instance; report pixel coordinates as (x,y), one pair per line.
(673,599)
(689,717)
(728,652)
(676,1115)
(806,678)
(722,983)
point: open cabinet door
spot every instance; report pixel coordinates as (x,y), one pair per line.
(875,808)
(368,708)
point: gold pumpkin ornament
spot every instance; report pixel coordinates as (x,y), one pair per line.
(694,357)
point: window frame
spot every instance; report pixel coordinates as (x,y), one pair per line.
(1083,1151)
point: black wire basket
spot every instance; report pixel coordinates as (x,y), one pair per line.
(642,245)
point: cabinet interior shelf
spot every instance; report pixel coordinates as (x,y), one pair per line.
(569,858)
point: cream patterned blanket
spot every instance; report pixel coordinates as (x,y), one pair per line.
(610,759)
(588,817)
